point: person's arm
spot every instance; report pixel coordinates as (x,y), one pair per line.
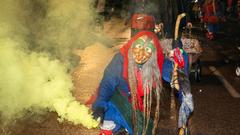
(109,82)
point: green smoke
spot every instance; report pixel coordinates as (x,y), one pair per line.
(37,38)
(31,81)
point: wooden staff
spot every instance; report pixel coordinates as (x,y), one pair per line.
(175,74)
(175,77)
(177,24)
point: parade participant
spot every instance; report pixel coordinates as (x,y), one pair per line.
(143,15)
(131,83)
(210,17)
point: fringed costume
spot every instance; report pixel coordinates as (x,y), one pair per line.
(127,89)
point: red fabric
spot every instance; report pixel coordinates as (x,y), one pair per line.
(178,58)
(105,132)
(210,15)
(140,83)
(124,51)
(160,57)
(142,22)
(127,46)
(139,89)
(229,3)
(210,19)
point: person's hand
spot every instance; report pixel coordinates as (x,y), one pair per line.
(170,54)
(181,131)
(189,25)
(158,27)
(98,114)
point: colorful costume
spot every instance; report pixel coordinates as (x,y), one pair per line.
(132,82)
(126,89)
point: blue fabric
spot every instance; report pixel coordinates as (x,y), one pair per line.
(111,81)
(185,110)
(168,67)
(212,27)
(180,96)
(112,113)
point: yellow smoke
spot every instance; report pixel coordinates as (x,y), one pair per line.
(37,38)
(34,81)
(67,25)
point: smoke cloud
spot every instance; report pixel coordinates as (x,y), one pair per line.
(37,38)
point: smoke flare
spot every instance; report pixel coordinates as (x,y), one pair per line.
(37,38)
(30,81)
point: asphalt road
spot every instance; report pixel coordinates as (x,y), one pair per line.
(217,95)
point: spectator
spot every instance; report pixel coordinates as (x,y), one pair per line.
(211,17)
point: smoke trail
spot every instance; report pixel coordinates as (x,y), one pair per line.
(37,38)
(66,25)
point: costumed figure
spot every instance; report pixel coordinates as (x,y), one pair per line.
(131,83)
(143,15)
(210,17)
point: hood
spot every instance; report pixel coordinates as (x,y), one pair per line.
(124,50)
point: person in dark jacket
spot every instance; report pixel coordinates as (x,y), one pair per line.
(211,17)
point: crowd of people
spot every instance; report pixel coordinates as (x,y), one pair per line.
(217,11)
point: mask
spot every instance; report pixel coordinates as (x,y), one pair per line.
(142,49)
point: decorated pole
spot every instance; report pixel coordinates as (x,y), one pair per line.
(175,74)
